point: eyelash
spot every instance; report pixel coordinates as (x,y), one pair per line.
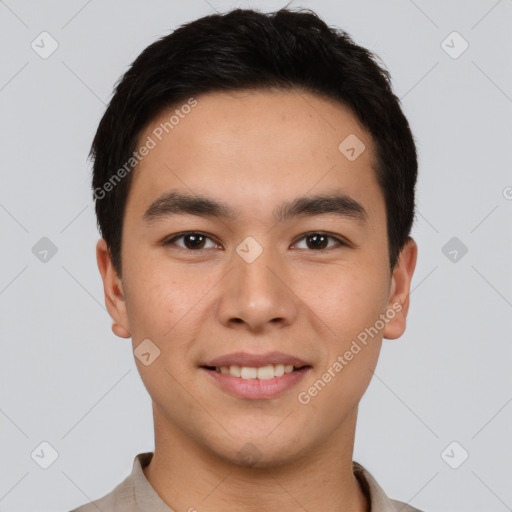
(171,240)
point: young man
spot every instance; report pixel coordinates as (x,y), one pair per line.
(254,181)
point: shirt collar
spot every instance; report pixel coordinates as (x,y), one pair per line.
(379,501)
(147,498)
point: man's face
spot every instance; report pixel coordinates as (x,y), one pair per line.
(305,285)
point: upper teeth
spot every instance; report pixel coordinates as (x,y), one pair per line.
(263,372)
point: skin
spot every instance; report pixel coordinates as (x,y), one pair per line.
(254,150)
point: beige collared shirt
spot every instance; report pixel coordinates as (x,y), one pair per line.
(135,494)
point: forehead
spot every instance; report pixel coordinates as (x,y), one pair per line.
(256,148)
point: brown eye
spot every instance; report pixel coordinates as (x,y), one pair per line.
(192,241)
(319,241)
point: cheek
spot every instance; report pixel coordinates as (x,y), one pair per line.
(346,300)
(165,305)
(161,310)
(351,304)
(154,308)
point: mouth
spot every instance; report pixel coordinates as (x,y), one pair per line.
(253,377)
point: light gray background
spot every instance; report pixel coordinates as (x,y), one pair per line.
(67,380)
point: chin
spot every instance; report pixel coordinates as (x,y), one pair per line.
(260,452)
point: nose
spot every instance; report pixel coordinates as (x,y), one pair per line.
(257,296)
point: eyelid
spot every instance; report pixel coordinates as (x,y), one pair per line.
(339,239)
(173,238)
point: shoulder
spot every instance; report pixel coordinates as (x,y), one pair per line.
(379,501)
(115,500)
(123,497)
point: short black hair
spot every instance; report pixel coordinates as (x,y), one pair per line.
(245,49)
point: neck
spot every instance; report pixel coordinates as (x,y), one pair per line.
(188,477)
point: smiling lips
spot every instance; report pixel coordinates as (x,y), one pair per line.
(254,376)
(255,366)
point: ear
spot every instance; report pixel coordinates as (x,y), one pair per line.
(400,289)
(113,289)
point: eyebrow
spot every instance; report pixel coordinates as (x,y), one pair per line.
(175,203)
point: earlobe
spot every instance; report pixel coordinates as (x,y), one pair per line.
(120,331)
(113,290)
(398,305)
